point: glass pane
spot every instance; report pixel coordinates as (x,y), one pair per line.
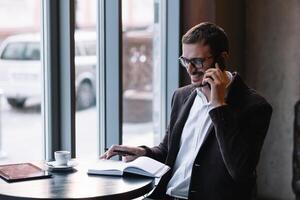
(14,51)
(32,51)
(85,65)
(141,72)
(21,134)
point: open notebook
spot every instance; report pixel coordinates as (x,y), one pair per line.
(144,166)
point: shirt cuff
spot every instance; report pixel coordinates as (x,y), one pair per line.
(218,113)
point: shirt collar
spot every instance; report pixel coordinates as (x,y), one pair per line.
(230,76)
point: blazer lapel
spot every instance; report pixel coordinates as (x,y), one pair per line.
(208,133)
(178,127)
(235,87)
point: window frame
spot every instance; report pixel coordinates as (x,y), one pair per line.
(173,50)
(170,48)
(112,68)
(59,76)
(101,77)
(58,105)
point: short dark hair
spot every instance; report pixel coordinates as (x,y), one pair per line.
(210,34)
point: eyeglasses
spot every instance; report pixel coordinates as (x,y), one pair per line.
(196,62)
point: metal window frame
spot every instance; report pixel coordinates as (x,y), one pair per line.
(112,69)
(173,50)
(170,49)
(101,77)
(59,76)
(59,71)
(113,65)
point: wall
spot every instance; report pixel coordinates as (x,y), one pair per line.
(264,40)
(194,12)
(272,59)
(229,15)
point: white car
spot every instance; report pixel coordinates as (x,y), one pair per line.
(21,74)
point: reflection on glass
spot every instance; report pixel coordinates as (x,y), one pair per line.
(85,81)
(21,134)
(141,71)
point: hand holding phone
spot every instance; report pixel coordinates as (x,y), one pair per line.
(218,80)
(221,63)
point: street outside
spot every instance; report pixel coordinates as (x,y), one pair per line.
(21,130)
(22,136)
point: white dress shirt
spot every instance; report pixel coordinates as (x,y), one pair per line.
(193,134)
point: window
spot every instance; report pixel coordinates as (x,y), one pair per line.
(32,51)
(21,51)
(64,81)
(142,70)
(13,51)
(85,79)
(90,48)
(21,132)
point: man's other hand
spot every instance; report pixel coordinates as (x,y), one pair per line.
(128,153)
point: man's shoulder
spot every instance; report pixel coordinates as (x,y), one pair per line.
(245,95)
(184,92)
(181,94)
(254,98)
(251,98)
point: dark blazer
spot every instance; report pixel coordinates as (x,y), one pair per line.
(225,167)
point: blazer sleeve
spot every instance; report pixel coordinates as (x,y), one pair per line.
(160,152)
(240,138)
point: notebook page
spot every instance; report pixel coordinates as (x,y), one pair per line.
(109,165)
(147,164)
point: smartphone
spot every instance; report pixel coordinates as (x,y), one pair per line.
(221,62)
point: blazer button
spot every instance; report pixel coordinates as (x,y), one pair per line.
(192,194)
(197,165)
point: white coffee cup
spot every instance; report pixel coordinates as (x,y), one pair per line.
(62,157)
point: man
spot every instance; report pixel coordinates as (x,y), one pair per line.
(216,130)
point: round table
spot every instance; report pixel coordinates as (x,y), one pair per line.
(78,185)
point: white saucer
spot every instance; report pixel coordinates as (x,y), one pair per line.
(53,166)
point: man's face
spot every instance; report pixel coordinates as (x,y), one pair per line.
(197,50)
